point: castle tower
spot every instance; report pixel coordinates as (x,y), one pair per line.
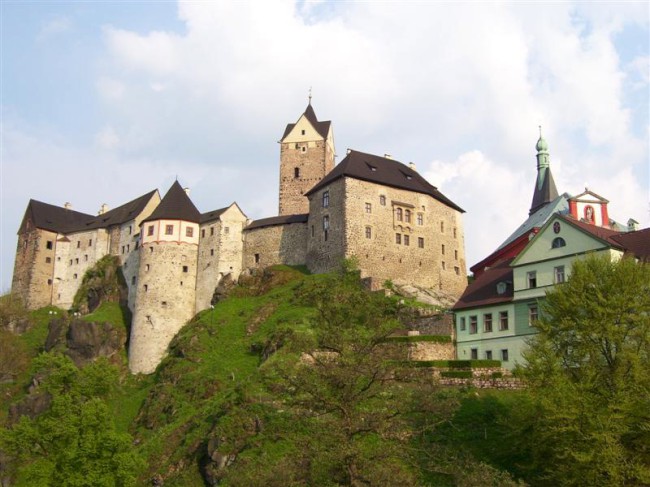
(545,190)
(306,156)
(166,282)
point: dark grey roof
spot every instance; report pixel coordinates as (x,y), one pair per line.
(62,220)
(55,218)
(122,214)
(483,290)
(322,128)
(638,243)
(175,205)
(278,220)
(545,190)
(212,215)
(380,170)
(536,220)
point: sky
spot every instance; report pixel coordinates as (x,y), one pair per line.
(103,101)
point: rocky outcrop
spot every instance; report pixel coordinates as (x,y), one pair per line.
(102,283)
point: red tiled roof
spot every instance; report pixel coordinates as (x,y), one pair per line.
(637,243)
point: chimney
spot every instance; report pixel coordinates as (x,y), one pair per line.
(103,209)
(187,191)
(67,205)
(388,156)
(412,166)
(347,152)
(632,225)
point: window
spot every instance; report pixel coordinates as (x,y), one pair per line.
(302,132)
(407,240)
(146,288)
(189,232)
(368,208)
(455,254)
(163,304)
(211,252)
(169,229)
(147,267)
(454,232)
(382,200)
(133,280)
(304,148)
(130,229)
(457,270)
(558,273)
(150,230)
(312,231)
(90,242)
(487,322)
(211,230)
(421,242)
(49,245)
(398,238)
(407,216)
(86,258)
(325,234)
(533,314)
(78,243)
(128,248)
(48,260)
(326,222)
(257,258)
(443,249)
(420,219)
(203,233)
(501,287)
(296,172)
(326,199)
(70,261)
(368,232)
(151,250)
(503,320)
(122,248)
(49,282)
(532,279)
(473,325)
(442,227)
(462,324)
(398,214)
(444,266)
(474,353)
(504,355)
(558,242)
(185,268)
(76,261)
(488,355)
(75,276)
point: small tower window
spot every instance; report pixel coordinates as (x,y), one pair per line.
(185,268)
(304,149)
(326,199)
(302,132)
(368,232)
(150,230)
(257,258)
(169,229)
(407,216)
(398,214)
(296,172)
(382,200)
(189,232)
(49,245)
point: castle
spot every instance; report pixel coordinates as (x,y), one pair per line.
(377,210)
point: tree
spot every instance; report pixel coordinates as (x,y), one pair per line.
(73,442)
(589,371)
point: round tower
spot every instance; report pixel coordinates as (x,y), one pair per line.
(166,282)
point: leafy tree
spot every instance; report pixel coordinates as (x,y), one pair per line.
(589,371)
(74,442)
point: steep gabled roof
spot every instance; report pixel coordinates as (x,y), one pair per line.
(55,218)
(322,128)
(380,170)
(212,215)
(537,219)
(122,214)
(278,220)
(175,205)
(601,233)
(545,190)
(483,291)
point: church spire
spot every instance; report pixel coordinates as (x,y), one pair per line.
(545,190)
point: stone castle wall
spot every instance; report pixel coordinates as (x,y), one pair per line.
(34,266)
(313,160)
(277,244)
(165,300)
(326,248)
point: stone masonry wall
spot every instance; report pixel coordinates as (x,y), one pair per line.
(165,301)
(425,248)
(278,244)
(313,163)
(326,249)
(34,266)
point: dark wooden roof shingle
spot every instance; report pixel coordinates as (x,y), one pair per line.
(322,128)
(387,172)
(483,291)
(278,220)
(175,205)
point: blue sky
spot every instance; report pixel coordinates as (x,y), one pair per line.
(104,101)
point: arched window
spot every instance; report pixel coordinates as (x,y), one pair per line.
(558,242)
(398,214)
(407,216)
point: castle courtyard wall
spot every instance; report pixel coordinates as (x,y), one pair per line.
(273,245)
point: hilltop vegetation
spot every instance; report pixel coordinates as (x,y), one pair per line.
(288,381)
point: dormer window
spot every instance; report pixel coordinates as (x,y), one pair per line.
(501,287)
(371,167)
